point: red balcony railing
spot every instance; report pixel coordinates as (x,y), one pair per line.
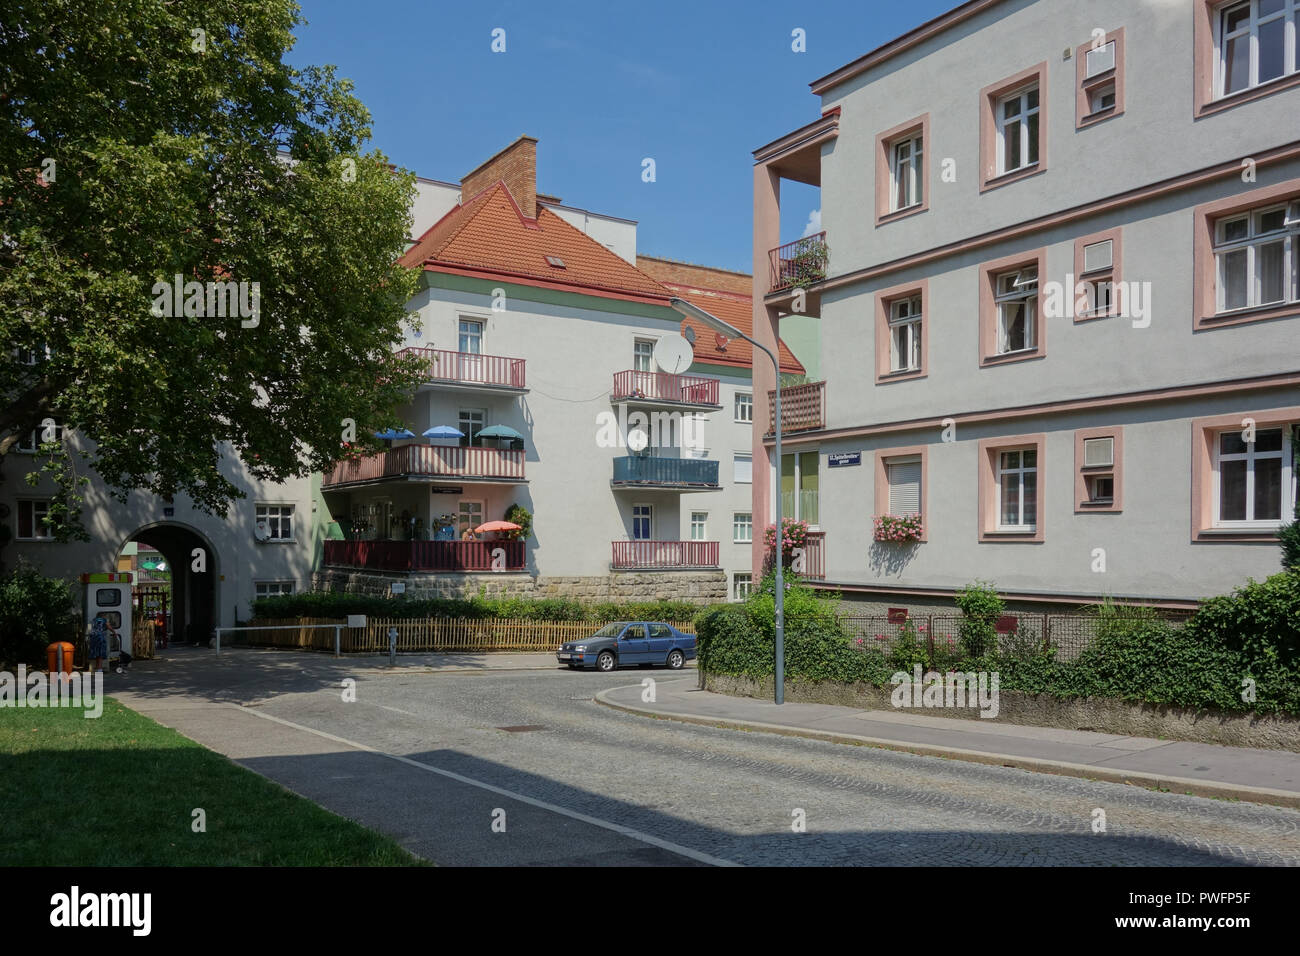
(665,387)
(448,556)
(437,461)
(799,263)
(815,556)
(665,554)
(469,368)
(803,408)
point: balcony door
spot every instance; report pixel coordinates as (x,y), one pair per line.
(800,487)
(643,522)
(469,345)
(469,515)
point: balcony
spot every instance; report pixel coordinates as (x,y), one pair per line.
(469,371)
(664,388)
(815,556)
(803,408)
(431,463)
(686,474)
(799,264)
(436,556)
(664,555)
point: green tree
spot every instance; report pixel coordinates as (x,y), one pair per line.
(140,141)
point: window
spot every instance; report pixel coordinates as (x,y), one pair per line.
(900,483)
(1255,43)
(1011,489)
(274,522)
(744,407)
(1100,79)
(1013,128)
(906,175)
(742,527)
(744,469)
(1017,301)
(1017,122)
(1098,462)
(799,486)
(263,589)
(31,356)
(741,586)
(1252,478)
(469,515)
(33,520)
(1257,258)
(471,421)
(33,440)
(471,337)
(643,355)
(903,170)
(699,525)
(1097,275)
(1018,490)
(642,522)
(905,335)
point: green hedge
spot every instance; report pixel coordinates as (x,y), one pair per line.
(35,611)
(335,604)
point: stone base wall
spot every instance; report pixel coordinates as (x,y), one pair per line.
(1102,715)
(697,587)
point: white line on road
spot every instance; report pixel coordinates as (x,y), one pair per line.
(531,801)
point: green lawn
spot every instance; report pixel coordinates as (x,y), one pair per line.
(119,790)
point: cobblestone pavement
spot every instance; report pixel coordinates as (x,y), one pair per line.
(738,796)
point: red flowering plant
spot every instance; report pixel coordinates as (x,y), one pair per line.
(351,451)
(897,528)
(794,534)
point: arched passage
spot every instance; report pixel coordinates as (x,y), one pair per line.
(194,590)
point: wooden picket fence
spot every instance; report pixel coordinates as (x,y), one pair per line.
(425,634)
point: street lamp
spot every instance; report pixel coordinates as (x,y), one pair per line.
(692,311)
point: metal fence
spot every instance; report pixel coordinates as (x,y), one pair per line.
(1018,634)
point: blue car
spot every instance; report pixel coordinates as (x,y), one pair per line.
(630,643)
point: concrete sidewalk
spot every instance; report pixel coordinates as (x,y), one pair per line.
(1208,770)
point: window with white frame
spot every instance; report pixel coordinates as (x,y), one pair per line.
(699,525)
(1255,43)
(471,337)
(742,527)
(1253,479)
(905,171)
(905,334)
(1016,117)
(265,589)
(1017,482)
(904,478)
(276,521)
(1098,274)
(1257,257)
(643,355)
(471,421)
(743,466)
(744,407)
(33,520)
(1016,299)
(741,586)
(30,443)
(1099,470)
(642,522)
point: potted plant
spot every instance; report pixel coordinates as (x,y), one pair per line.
(898,529)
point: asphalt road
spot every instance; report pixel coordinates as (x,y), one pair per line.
(505,767)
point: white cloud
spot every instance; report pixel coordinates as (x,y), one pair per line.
(814,223)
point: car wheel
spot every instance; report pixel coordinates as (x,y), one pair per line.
(675,660)
(605,662)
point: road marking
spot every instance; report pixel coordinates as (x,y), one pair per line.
(522,798)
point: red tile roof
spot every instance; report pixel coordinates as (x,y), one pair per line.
(489,234)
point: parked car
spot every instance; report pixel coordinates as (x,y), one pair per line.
(630,643)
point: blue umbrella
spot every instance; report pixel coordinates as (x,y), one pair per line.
(443,431)
(391,434)
(500,431)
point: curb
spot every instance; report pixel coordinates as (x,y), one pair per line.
(1185,785)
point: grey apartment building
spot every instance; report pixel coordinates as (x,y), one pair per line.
(1059,297)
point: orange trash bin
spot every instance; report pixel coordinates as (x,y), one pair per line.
(53,653)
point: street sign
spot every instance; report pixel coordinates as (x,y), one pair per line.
(843,459)
(447,490)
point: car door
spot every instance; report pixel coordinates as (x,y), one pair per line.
(661,642)
(633,646)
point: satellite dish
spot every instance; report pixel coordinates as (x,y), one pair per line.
(261,531)
(673,353)
(637,439)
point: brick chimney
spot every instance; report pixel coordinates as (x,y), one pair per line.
(516,166)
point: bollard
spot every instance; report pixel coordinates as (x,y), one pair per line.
(392,647)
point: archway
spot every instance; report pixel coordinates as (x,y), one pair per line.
(193,605)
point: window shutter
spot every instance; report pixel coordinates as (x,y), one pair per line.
(744,468)
(1098,452)
(904,487)
(1098,256)
(1101,60)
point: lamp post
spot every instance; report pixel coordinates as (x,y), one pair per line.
(692,311)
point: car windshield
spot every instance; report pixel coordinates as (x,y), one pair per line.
(611,630)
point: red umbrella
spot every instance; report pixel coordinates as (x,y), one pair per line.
(497,526)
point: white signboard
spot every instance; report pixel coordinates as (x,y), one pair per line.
(356,620)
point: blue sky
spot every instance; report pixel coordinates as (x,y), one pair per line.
(603,85)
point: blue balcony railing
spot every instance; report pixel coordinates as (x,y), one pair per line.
(644,470)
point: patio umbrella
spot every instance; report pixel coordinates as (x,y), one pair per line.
(500,431)
(443,431)
(391,434)
(497,526)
